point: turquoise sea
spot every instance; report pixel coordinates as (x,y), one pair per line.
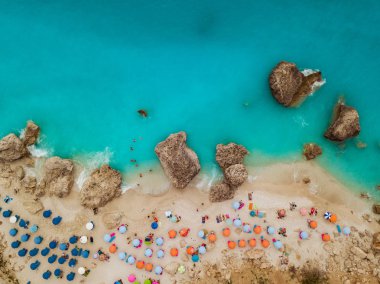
(82,69)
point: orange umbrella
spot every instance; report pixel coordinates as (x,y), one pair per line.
(257,229)
(313,224)
(190,250)
(252,243)
(326,237)
(226,232)
(333,218)
(184,232)
(172,234)
(242,243)
(265,243)
(174,252)
(140,264)
(149,267)
(212,237)
(112,248)
(231,244)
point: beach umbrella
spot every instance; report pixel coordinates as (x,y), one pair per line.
(107,238)
(201,250)
(160,253)
(70,276)
(131,259)
(257,229)
(81,270)
(252,243)
(148,252)
(195,258)
(52,258)
(112,248)
(174,252)
(184,232)
(313,224)
(122,229)
(190,250)
(333,218)
(35,265)
(231,244)
(122,255)
(265,243)
(270,230)
(181,269)
(236,205)
(56,220)
(53,244)
(159,241)
(229,221)
(261,214)
(46,213)
(212,238)
(85,254)
(90,226)
(246,228)
(25,238)
(38,240)
(63,246)
(13,232)
(140,264)
(303,211)
(241,243)
(23,224)
(62,260)
(226,232)
(136,243)
(173,219)
(172,234)
(73,240)
(201,234)
(46,275)
(13,219)
(45,251)
(22,252)
(33,228)
(326,237)
(34,252)
(277,244)
(58,272)
(15,244)
(72,262)
(154,225)
(304,235)
(131,278)
(7,213)
(149,267)
(252,213)
(237,222)
(346,231)
(83,239)
(75,251)
(327,215)
(158,270)
(147,281)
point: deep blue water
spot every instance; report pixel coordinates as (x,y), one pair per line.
(81,70)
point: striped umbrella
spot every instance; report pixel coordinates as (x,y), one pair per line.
(327,215)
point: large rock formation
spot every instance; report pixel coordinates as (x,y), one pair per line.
(221,191)
(289,86)
(376,242)
(230,154)
(179,162)
(345,123)
(101,187)
(236,175)
(58,177)
(12,148)
(376,208)
(31,133)
(311,151)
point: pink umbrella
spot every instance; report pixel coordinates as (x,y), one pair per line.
(303,211)
(131,278)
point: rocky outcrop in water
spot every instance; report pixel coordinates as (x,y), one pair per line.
(31,133)
(289,86)
(230,154)
(12,148)
(311,151)
(236,175)
(101,187)
(179,162)
(58,177)
(345,123)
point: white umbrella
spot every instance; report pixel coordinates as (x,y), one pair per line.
(90,226)
(83,239)
(81,270)
(13,219)
(168,213)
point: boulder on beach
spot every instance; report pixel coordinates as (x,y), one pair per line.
(179,162)
(112,219)
(230,154)
(101,187)
(58,177)
(290,86)
(221,191)
(376,208)
(376,242)
(311,151)
(345,123)
(29,184)
(236,175)
(12,148)
(31,133)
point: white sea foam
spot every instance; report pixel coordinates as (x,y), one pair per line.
(38,152)
(298,119)
(206,180)
(316,85)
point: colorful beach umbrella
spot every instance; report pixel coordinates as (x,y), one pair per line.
(81,270)
(56,220)
(58,272)
(131,259)
(327,215)
(46,213)
(90,226)
(13,219)
(154,225)
(75,251)
(202,250)
(347,231)
(236,205)
(122,255)
(226,232)
(252,213)
(72,262)
(53,244)
(195,258)
(160,253)
(85,254)
(34,252)
(83,239)
(23,224)
(22,252)
(25,238)
(73,240)
(38,240)
(277,244)
(136,243)
(158,270)
(246,228)
(304,235)
(35,265)
(7,213)
(270,230)
(45,251)
(148,252)
(201,234)
(13,232)
(131,278)
(159,241)
(237,222)
(33,229)
(15,244)
(52,258)
(107,238)
(62,260)
(46,274)
(63,246)
(122,229)
(70,276)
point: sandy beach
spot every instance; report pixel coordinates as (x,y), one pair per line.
(273,187)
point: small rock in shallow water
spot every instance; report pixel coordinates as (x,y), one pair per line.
(143,112)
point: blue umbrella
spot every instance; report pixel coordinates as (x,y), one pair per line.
(159,241)
(160,253)
(62,260)
(58,272)
(23,223)
(75,251)
(122,255)
(46,213)
(45,251)
(154,225)
(38,240)
(70,276)
(63,246)
(195,258)
(53,244)
(15,244)
(34,252)
(252,213)
(237,222)
(304,235)
(22,252)
(122,229)
(72,262)
(56,220)
(85,254)
(136,242)
(33,228)
(131,259)
(158,270)
(35,265)
(346,231)
(236,205)
(73,240)
(52,258)
(25,238)
(201,234)
(7,213)
(46,275)
(270,230)
(107,238)
(202,250)
(13,232)
(278,244)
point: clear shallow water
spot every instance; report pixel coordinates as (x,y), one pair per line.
(81,70)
